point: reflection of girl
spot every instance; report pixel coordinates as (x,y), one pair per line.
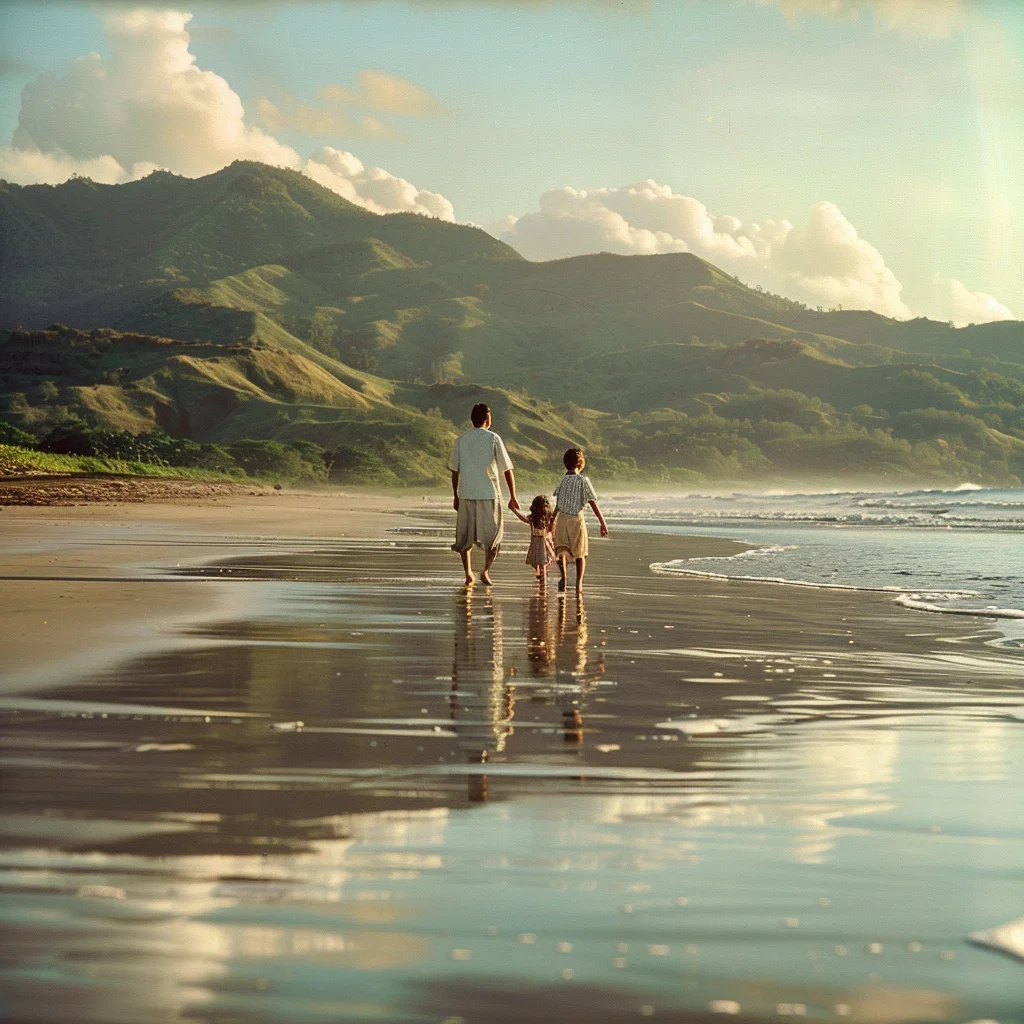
(541,552)
(540,645)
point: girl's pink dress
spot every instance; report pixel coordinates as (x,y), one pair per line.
(541,551)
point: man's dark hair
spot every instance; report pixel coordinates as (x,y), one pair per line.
(571,459)
(479,414)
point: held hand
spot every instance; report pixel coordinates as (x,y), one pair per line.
(604,529)
(512,503)
(455,504)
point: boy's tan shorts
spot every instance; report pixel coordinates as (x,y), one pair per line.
(570,535)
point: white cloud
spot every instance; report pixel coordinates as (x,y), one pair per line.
(935,19)
(967,307)
(373,187)
(378,91)
(148,105)
(391,94)
(146,102)
(824,263)
(830,261)
(291,114)
(33,167)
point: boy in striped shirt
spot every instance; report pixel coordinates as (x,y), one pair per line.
(573,493)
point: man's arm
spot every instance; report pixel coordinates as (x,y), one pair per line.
(455,489)
(510,479)
(600,518)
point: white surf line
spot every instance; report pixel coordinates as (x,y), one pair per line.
(85,707)
(917,602)
(670,569)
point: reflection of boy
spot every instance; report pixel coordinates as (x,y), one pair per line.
(573,643)
(573,493)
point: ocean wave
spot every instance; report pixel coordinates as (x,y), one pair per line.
(953,503)
(677,568)
(908,518)
(937,601)
(766,549)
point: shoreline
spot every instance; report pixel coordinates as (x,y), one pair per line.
(81,589)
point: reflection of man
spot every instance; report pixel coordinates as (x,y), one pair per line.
(482,702)
(478,461)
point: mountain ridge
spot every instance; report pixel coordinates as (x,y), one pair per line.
(258,278)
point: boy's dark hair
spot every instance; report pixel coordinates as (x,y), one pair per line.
(571,458)
(479,415)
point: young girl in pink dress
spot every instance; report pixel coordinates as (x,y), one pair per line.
(541,552)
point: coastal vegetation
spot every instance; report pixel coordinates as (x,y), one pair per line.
(251,323)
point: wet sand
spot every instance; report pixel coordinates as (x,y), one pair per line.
(84,583)
(677,798)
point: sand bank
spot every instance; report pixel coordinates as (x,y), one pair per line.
(86,582)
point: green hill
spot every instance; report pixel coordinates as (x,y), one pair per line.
(221,393)
(254,303)
(84,252)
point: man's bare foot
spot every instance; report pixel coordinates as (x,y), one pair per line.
(486,579)
(470,579)
(579,589)
(561,586)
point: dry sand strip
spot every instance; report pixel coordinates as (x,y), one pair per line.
(79,585)
(109,488)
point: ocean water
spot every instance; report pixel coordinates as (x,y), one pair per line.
(955,552)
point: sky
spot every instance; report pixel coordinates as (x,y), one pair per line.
(856,153)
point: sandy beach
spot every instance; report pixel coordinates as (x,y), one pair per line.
(267,750)
(80,579)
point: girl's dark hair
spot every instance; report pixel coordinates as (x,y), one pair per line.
(540,511)
(571,459)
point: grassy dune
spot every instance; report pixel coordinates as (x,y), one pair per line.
(16,461)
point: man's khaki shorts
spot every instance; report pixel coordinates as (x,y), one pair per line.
(479,522)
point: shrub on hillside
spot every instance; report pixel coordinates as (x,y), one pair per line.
(352,464)
(10,434)
(299,462)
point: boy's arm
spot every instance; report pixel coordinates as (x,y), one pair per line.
(455,489)
(600,518)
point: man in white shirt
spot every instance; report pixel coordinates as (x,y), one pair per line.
(478,461)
